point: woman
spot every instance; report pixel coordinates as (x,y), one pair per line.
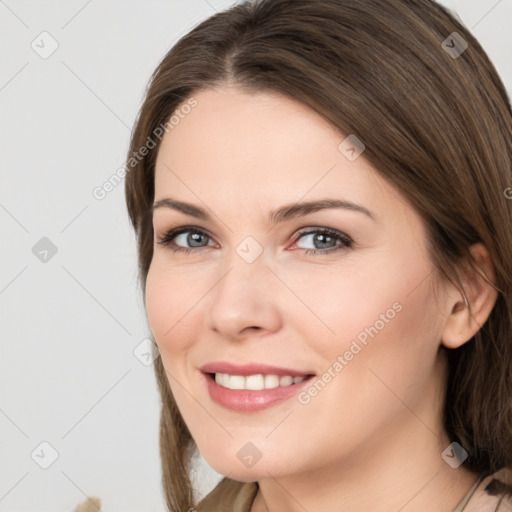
(320,191)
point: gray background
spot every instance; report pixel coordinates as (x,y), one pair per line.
(71,321)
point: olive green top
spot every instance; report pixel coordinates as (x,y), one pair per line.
(229,496)
(233,496)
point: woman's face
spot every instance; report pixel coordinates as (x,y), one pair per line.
(240,292)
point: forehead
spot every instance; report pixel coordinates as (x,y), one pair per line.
(236,147)
(247,131)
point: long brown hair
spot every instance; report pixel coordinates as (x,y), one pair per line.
(436,122)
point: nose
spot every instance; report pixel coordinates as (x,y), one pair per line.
(244,300)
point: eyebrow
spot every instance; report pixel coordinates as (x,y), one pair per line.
(280,215)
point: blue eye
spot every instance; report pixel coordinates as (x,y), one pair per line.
(192,236)
(329,240)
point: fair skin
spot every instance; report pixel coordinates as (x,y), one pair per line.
(372,438)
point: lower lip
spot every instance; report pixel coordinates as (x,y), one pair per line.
(250,401)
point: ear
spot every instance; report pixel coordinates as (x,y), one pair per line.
(460,325)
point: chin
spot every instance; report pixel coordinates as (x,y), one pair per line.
(233,468)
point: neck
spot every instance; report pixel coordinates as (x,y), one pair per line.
(401,470)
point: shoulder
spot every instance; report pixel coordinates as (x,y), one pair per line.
(229,496)
(494,494)
(500,487)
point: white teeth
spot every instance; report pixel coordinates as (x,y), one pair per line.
(271,381)
(255,382)
(236,382)
(286,380)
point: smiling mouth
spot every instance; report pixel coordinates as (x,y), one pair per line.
(256,382)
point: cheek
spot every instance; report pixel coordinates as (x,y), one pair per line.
(382,350)
(345,304)
(390,343)
(169,306)
(374,316)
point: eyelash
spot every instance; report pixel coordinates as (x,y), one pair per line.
(346,240)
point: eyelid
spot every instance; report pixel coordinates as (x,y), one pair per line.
(319,229)
(345,239)
(179,230)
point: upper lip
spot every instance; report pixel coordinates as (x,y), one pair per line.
(251,369)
